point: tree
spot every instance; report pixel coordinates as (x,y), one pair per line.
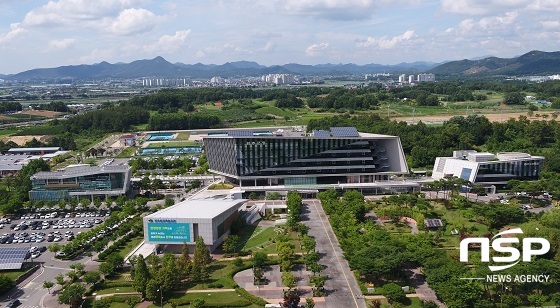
(6,283)
(197,303)
(537,299)
(511,300)
(291,299)
(394,293)
(78,267)
(92,277)
(59,279)
(288,279)
(201,253)
(141,276)
(102,303)
(229,244)
(308,243)
(309,303)
(238,262)
(556,299)
(48,285)
(169,202)
(72,295)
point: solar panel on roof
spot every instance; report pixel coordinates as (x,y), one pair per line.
(432,223)
(240,133)
(348,131)
(12,257)
(321,134)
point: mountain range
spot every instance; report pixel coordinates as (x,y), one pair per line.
(531,63)
(161,68)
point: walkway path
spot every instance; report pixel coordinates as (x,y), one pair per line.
(418,282)
(342,288)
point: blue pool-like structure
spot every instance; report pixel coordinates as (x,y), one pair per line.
(171,150)
(160,136)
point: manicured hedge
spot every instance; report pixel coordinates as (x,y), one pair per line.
(250,297)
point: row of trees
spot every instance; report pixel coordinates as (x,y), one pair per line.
(155,277)
(113,119)
(168,121)
(152,163)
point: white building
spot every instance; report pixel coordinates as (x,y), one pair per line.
(487,168)
(402,78)
(426,78)
(279,79)
(185,221)
(411,79)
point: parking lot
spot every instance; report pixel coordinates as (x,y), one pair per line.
(39,230)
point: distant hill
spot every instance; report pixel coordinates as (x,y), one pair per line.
(161,68)
(532,63)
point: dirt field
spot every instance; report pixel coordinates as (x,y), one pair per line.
(493,117)
(21,140)
(42,113)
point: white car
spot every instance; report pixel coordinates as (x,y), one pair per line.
(35,254)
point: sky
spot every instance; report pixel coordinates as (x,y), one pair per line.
(37,34)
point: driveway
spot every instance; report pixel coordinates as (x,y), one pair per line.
(341,286)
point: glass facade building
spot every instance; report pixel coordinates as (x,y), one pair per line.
(80,181)
(487,168)
(292,158)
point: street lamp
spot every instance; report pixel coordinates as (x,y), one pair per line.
(161,296)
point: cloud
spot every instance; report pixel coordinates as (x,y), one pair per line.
(169,43)
(315,49)
(15,31)
(551,24)
(133,21)
(486,25)
(64,12)
(61,44)
(483,7)
(386,43)
(337,9)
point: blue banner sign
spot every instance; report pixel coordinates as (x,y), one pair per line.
(166,232)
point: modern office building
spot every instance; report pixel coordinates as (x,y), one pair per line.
(487,168)
(11,164)
(185,221)
(81,181)
(340,157)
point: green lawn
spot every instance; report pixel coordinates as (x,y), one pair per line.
(398,227)
(219,271)
(261,236)
(127,152)
(14,274)
(116,290)
(8,132)
(218,299)
(275,111)
(183,136)
(130,245)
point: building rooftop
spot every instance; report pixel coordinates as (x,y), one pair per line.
(23,150)
(333,132)
(79,170)
(199,208)
(474,156)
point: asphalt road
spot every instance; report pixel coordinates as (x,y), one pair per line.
(341,286)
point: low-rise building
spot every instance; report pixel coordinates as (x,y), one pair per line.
(488,168)
(81,181)
(185,221)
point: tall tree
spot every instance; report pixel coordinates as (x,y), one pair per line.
(141,275)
